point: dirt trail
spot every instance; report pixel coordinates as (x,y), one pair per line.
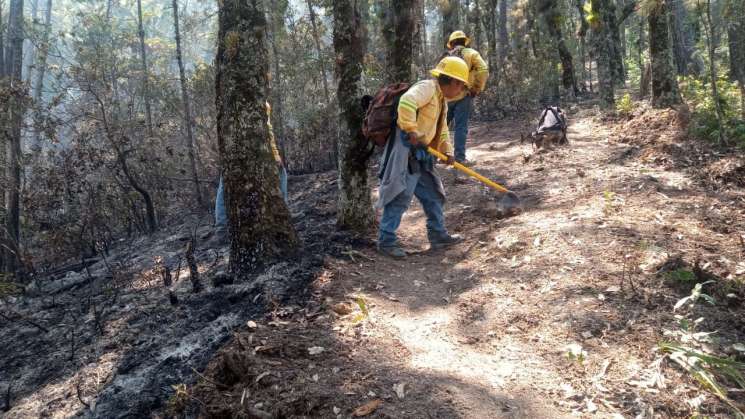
(484,330)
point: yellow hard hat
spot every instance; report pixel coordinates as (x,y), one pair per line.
(453,67)
(458,35)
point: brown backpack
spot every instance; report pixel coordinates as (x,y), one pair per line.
(380,118)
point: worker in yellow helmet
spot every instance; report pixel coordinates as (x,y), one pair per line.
(407,169)
(459,107)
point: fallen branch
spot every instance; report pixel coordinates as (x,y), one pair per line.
(20,317)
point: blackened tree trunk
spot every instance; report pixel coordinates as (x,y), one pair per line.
(187,109)
(317,39)
(260,228)
(504,40)
(664,84)
(552,18)
(145,74)
(736,35)
(450,10)
(14,63)
(402,48)
(354,207)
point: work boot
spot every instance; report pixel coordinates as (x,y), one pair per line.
(445,241)
(395,251)
(465,162)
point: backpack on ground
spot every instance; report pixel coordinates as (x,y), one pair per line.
(380,118)
(553,119)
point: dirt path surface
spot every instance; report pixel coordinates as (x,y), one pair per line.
(554,313)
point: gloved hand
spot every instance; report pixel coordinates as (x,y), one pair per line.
(450,161)
(413,139)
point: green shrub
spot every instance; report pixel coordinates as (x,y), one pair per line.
(625,105)
(703,110)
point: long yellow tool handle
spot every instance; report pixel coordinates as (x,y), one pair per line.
(469,172)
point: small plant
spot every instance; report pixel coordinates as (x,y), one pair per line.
(8,289)
(576,353)
(610,201)
(695,295)
(681,275)
(625,105)
(692,355)
(363,308)
(179,400)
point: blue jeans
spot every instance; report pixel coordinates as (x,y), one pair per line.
(426,191)
(460,111)
(221,215)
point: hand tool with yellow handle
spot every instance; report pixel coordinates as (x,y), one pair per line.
(510,201)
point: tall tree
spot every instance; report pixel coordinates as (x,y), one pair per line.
(504,41)
(710,32)
(260,227)
(14,68)
(681,35)
(553,20)
(402,48)
(603,27)
(187,109)
(665,91)
(145,73)
(317,39)
(736,41)
(450,11)
(354,208)
(276,29)
(41,68)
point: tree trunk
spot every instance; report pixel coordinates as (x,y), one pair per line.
(3,70)
(41,68)
(552,18)
(710,32)
(504,41)
(682,40)
(402,47)
(477,24)
(317,39)
(736,35)
(275,26)
(604,51)
(152,222)
(419,39)
(450,10)
(640,46)
(187,109)
(145,75)
(14,62)
(260,227)
(29,57)
(664,84)
(354,207)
